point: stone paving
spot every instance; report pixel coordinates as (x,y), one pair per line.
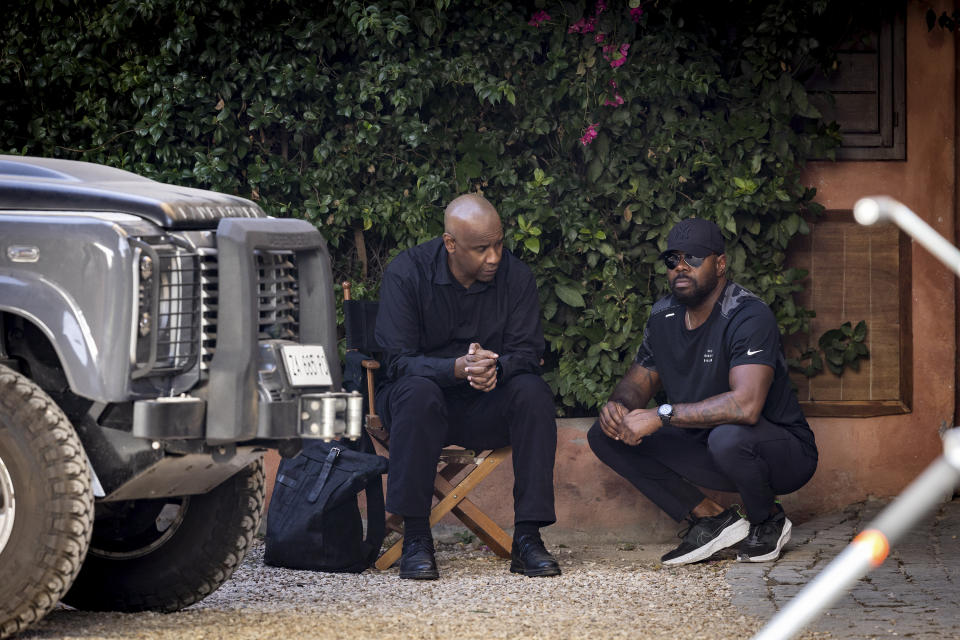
(914,594)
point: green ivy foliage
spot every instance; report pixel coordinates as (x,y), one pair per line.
(842,347)
(592,127)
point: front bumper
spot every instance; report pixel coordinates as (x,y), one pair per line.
(283,410)
(327,415)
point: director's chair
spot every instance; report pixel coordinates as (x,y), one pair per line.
(459,471)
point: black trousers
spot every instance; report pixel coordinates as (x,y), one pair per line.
(422,418)
(758,461)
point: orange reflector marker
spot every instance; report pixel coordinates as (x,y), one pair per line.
(876,543)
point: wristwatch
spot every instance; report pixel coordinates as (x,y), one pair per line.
(665,411)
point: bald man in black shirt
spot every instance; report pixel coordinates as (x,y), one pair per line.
(459,322)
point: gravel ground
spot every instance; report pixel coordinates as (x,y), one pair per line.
(606,591)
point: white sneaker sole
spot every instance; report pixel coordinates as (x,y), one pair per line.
(728,537)
(773,555)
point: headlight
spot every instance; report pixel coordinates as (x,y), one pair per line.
(146,267)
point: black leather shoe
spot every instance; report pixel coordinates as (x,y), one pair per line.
(417,561)
(531,558)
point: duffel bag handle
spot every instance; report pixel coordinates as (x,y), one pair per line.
(324,475)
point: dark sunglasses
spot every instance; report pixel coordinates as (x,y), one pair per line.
(672,260)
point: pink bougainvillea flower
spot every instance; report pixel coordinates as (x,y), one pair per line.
(600,37)
(601,6)
(589,134)
(616,56)
(636,13)
(613,83)
(583,25)
(615,102)
(539,18)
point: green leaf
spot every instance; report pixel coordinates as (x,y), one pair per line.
(792,224)
(429,25)
(804,107)
(533,244)
(785,84)
(549,309)
(602,144)
(594,170)
(861,331)
(569,295)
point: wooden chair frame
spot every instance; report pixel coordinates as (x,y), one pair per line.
(458,473)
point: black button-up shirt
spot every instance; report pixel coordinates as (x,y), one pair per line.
(427,319)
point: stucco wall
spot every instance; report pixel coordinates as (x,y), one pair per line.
(879,456)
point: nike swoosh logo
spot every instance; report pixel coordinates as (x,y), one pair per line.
(751,353)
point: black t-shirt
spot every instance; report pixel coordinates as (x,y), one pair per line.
(694,364)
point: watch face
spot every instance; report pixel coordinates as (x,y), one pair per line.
(665,410)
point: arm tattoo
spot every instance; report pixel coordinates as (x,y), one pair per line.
(719,409)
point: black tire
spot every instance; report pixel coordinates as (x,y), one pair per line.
(46,503)
(166,554)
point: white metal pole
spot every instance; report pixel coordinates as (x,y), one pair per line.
(868,211)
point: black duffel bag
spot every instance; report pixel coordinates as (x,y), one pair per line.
(314,518)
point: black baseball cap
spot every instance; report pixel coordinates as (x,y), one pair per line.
(696,237)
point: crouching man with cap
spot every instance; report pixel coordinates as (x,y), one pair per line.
(731,422)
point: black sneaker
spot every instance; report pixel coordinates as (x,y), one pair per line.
(705,536)
(766,539)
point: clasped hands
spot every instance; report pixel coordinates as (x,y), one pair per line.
(630,427)
(479,367)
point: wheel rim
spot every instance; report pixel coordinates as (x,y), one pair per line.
(8,505)
(137,527)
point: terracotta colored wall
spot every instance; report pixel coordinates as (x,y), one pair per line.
(879,456)
(859,457)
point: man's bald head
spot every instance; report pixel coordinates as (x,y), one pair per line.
(470,209)
(473,237)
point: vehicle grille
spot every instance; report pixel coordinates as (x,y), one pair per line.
(279,302)
(209,297)
(177,323)
(277,296)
